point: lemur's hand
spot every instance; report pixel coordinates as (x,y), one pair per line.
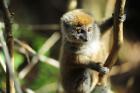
(99,68)
(122,18)
(104,70)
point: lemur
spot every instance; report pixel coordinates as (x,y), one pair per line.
(82,52)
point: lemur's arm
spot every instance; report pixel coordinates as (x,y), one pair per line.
(97,67)
(108,23)
(94,66)
(104,26)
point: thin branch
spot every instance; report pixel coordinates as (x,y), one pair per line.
(48,60)
(9,42)
(47,27)
(49,43)
(3,64)
(126,67)
(25,46)
(36,59)
(7,25)
(29,91)
(9,64)
(72,4)
(42,58)
(118,36)
(44,26)
(49,87)
(118,32)
(40,55)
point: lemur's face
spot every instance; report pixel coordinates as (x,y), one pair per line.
(79,34)
(79,27)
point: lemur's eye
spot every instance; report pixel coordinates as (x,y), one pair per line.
(83,31)
(78,29)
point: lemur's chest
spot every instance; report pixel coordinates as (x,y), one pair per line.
(84,56)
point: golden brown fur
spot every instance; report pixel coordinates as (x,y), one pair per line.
(77,56)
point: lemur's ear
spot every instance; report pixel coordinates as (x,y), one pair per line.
(106,25)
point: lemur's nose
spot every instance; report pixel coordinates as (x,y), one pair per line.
(83,36)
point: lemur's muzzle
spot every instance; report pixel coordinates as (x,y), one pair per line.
(83,36)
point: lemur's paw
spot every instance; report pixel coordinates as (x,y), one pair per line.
(104,70)
(122,18)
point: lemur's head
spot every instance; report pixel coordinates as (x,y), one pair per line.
(79,26)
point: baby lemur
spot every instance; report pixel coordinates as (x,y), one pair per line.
(82,52)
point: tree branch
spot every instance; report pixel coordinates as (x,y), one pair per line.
(40,55)
(118,36)
(9,65)
(9,42)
